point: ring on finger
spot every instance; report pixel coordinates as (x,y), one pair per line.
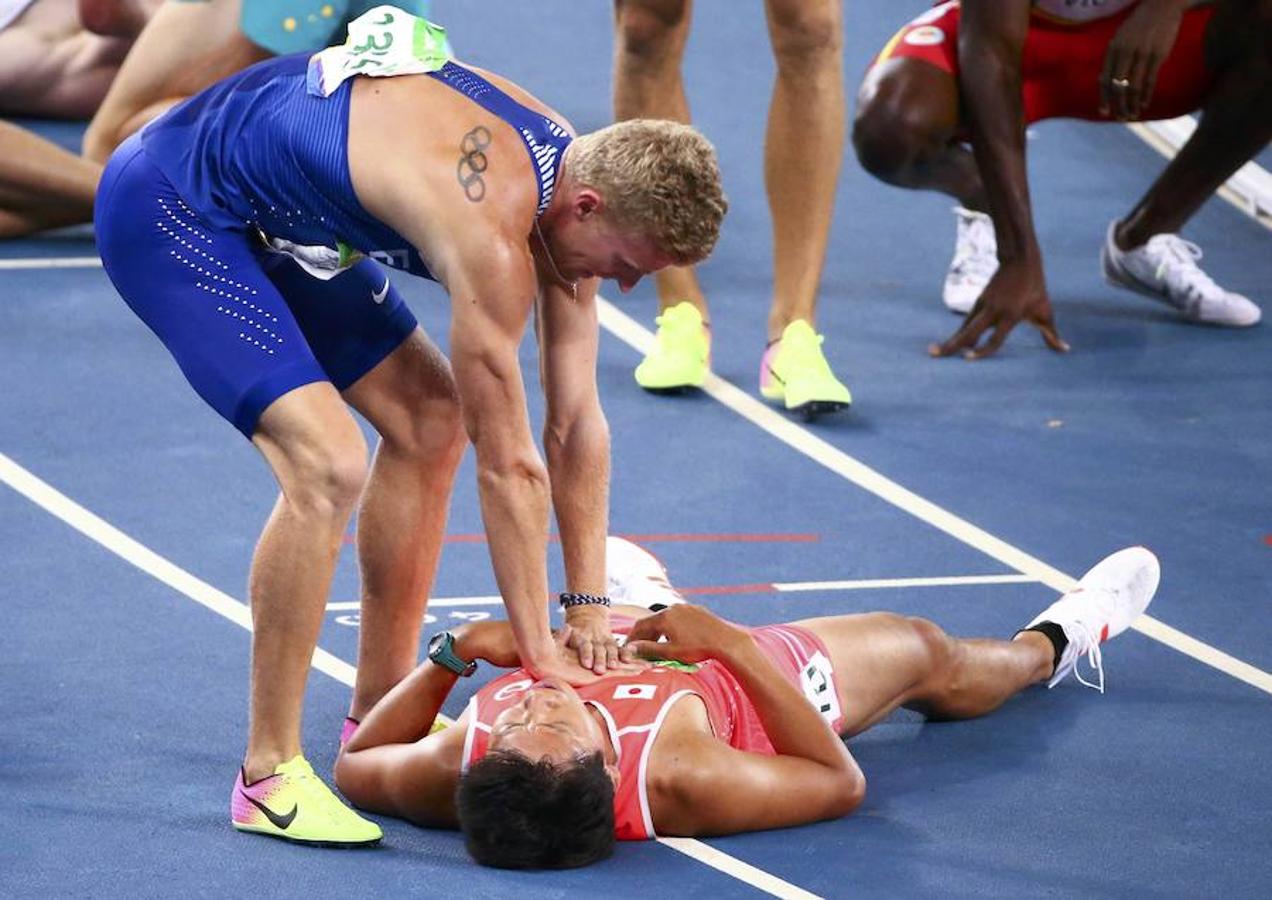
(1121,83)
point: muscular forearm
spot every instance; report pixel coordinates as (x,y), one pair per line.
(579,467)
(514,508)
(792,725)
(990,80)
(406,713)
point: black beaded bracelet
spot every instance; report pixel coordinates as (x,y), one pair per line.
(569,600)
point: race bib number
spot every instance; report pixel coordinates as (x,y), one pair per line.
(383,42)
(818,687)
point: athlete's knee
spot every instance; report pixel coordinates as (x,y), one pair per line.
(936,648)
(806,34)
(649,30)
(892,136)
(326,477)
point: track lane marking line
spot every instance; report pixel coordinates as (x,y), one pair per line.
(53,262)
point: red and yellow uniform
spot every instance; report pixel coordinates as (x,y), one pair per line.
(1064,55)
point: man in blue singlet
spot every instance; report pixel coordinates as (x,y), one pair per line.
(235,227)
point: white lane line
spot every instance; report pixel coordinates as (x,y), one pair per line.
(53,262)
(799,438)
(863,584)
(717,859)
(1250,187)
(94,527)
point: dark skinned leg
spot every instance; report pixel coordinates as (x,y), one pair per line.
(906,127)
(1236,123)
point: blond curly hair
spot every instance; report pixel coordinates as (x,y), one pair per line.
(657,176)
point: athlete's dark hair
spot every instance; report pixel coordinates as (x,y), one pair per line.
(519,813)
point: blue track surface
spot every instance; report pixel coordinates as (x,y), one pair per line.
(127,700)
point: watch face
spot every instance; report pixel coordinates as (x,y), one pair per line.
(436,641)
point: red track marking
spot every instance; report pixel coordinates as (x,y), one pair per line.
(1267,539)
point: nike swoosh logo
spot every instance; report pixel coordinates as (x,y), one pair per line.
(277,820)
(378,296)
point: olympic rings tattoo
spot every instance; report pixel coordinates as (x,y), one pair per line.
(473,163)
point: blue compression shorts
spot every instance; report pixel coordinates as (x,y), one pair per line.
(244,324)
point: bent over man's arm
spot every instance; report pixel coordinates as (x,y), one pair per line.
(393,764)
(576,438)
(492,291)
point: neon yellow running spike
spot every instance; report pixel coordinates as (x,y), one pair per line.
(682,358)
(295,805)
(794,371)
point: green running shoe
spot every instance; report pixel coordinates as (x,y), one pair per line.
(682,358)
(795,372)
(295,805)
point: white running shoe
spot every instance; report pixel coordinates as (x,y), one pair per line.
(1166,269)
(975,260)
(635,577)
(1106,601)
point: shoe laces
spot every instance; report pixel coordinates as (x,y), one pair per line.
(1175,261)
(805,355)
(676,331)
(1094,658)
(316,793)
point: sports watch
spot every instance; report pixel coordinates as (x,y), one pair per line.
(441,652)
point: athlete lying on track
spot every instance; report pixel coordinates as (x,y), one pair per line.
(740,729)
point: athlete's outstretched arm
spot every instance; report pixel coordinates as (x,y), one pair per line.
(576,438)
(701,785)
(392,764)
(991,40)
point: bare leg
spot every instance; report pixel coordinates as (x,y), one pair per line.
(411,400)
(648,47)
(802,149)
(1236,123)
(184,48)
(884,661)
(318,456)
(42,185)
(905,129)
